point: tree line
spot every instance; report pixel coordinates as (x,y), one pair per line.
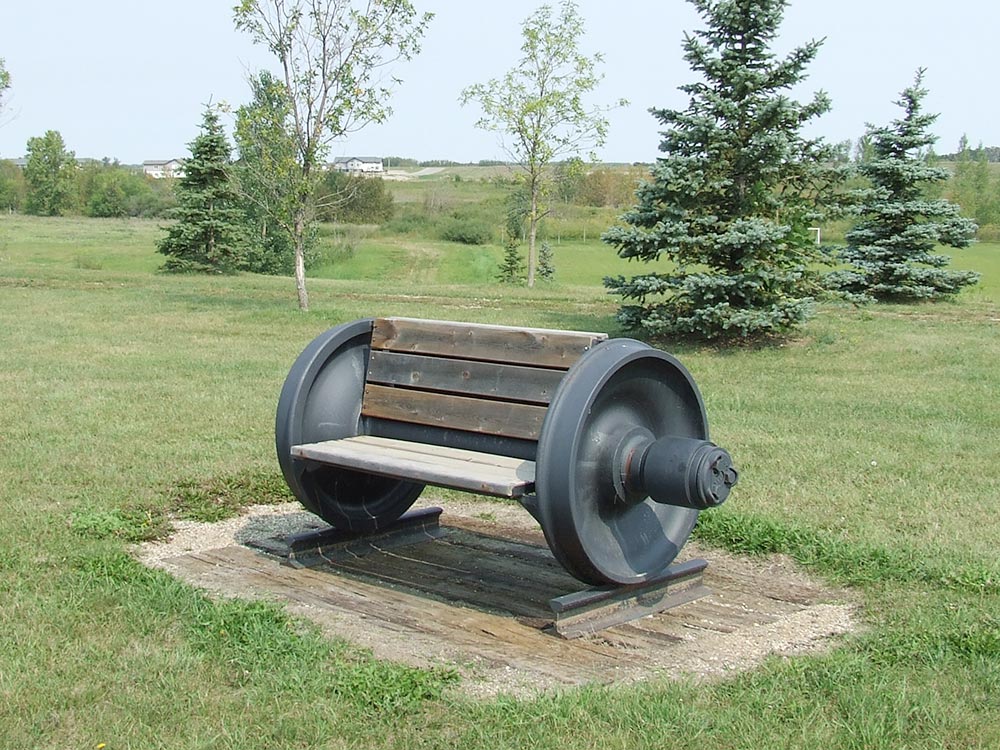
(53,182)
(227,217)
(732,201)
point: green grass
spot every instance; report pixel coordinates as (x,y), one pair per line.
(867,443)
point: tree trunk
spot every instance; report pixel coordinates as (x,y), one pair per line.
(300,262)
(532,234)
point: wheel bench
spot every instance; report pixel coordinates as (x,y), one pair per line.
(604,441)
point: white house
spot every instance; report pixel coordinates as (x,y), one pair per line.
(159,169)
(358,164)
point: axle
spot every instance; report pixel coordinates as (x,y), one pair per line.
(677,471)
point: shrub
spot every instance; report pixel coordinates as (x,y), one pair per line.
(466,231)
(414,221)
(351,199)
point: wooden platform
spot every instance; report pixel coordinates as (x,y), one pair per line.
(477,598)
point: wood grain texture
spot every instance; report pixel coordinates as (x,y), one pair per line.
(454,412)
(505,344)
(477,598)
(482,473)
(533,385)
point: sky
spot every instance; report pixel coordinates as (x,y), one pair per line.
(128,79)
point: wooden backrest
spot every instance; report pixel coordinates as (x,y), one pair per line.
(486,379)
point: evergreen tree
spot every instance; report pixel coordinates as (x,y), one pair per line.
(207,235)
(890,250)
(546,263)
(732,199)
(513,268)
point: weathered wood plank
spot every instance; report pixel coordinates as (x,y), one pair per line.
(456,583)
(504,382)
(458,454)
(489,343)
(454,412)
(482,473)
(404,615)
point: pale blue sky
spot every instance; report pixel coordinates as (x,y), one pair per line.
(127,79)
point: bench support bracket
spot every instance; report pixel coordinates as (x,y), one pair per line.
(594,609)
(312,548)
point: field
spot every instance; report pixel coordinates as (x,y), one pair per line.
(868,445)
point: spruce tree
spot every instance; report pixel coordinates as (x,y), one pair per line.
(207,235)
(513,269)
(546,262)
(731,201)
(890,250)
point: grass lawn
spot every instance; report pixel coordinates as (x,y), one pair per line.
(868,445)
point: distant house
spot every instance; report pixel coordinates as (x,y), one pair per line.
(158,169)
(358,164)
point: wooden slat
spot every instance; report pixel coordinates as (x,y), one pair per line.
(504,382)
(458,454)
(454,412)
(482,473)
(488,343)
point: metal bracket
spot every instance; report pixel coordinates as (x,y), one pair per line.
(311,548)
(591,610)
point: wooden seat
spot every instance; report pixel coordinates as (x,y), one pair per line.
(482,473)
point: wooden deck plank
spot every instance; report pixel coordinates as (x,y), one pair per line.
(482,473)
(467,626)
(495,638)
(448,574)
(515,576)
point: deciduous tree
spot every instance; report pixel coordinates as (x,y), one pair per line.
(48,175)
(539,105)
(107,189)
(354,199)
(12,188)
(971,187)
(890,251)
(731,200)
(267,176)
(333,56)
(4,81)
(207,236)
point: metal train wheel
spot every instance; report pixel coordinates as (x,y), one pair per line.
(621,400)
(321,400)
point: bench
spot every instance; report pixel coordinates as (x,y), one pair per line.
(428,380)
(604,441)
